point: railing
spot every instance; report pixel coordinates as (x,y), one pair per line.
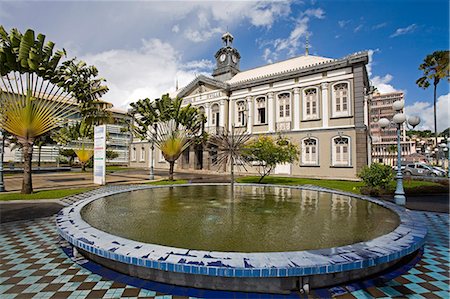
(215,130)
(283,126)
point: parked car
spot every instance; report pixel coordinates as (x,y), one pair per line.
(420,169)
(442,171)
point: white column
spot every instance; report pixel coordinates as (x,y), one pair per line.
(271,111)
(222,113)
(296,104)
(208,115)
(325,104)
(231,108)
(250,114)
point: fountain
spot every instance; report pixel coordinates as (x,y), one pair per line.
(267,239)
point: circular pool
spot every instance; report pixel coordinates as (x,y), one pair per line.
(255,219)
(264,238)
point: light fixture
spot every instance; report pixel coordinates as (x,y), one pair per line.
(398,105)
(399,118)
(384,122)
(413,121)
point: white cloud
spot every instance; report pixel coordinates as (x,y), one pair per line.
(176,29)
(148,71)
(379,26)
(425,111)
(199,36)
(358,28)
(292,43)
(343,23)
(381,83)
(371,63)
(401,31)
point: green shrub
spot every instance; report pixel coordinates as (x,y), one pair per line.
(376,176)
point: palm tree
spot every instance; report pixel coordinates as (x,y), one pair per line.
(155,120)
(232,151)
(84,155)
(37,94)
(172,140)
(32,96)
(435,67)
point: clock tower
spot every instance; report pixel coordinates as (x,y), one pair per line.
(227,60)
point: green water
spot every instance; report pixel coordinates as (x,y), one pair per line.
(259,219)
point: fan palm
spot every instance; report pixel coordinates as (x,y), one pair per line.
(172,140)
(32,98)
(84,155)
(435,67)
(155,120)
(37,94)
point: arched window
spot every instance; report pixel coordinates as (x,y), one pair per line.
(215,114)
(341,151)
(341,99)
(241,114)
(311,103)
(201,110)
(310,151)
(284,110)
(260,110)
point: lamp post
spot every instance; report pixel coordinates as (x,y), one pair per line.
(398,119)
(152,149)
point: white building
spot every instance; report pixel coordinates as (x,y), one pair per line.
(319,103)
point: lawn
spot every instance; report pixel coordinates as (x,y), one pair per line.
(44,194)
(411,186)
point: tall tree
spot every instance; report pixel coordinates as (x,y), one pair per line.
(37,93)
(168,125)
(31,91)
(435,67)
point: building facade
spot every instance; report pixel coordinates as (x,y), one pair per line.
(320,104)
(384,141)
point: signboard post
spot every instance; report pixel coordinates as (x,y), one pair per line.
(100,155)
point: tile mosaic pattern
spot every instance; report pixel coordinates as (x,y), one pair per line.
(33,265)
(405,239)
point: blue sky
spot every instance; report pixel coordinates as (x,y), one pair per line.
(141,47)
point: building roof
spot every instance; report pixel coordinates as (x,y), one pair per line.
(279,67)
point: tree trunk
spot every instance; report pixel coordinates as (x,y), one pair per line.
(27,184)
(171,165)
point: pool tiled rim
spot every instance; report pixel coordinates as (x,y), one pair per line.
(408,237)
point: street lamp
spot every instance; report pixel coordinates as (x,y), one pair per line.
(398,119)
(152,149)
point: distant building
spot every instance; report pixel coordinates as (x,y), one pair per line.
(119,140)
(384,141)
(319,103)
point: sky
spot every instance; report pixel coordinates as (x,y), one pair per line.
(143,47)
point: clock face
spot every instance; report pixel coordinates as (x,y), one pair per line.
(234,58)
(223,57)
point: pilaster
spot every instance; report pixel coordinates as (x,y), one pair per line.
(222,113)
(296,104)
(249,114)
(271,111)
(325,104)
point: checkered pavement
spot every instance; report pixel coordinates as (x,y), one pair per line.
(34,263)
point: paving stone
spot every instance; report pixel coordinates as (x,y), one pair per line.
(34,264)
